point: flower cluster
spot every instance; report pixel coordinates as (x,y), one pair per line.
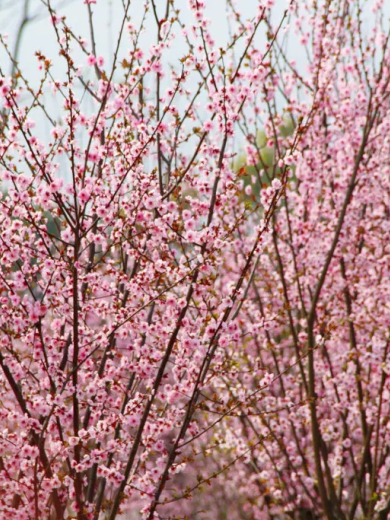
(176,313)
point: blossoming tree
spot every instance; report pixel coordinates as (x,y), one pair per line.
(322,425)
(164,327)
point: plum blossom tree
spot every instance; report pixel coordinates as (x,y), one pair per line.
(164,328)
(323,424)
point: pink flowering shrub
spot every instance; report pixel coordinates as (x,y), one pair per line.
(315,444)
(173,341)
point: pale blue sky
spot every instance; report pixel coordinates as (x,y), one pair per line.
(39,33)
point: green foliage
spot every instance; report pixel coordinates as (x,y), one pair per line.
(261,174)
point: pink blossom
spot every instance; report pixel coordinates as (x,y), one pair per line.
(91,60)
(194,288)
(208,125)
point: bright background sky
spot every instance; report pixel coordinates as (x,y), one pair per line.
(39,33)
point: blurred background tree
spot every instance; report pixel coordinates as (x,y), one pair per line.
(260,166)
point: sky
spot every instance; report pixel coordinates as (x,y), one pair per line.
(39,33)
